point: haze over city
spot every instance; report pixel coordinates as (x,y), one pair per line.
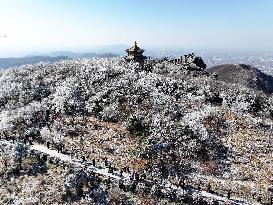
(45,26)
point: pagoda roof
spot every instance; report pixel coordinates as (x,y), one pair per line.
(135,49)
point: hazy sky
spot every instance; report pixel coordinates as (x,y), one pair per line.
(45,25)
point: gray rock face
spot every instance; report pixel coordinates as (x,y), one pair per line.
(194,59)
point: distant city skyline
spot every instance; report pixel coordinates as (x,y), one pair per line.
(52,25)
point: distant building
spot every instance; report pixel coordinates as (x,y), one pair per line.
(135,53)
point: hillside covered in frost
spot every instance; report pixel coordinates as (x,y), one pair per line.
(175,121)
(246,75)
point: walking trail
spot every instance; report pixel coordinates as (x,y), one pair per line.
(116,175)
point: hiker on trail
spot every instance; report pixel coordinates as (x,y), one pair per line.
(121,171)
(108,182)
(59,148)
(126,169)
(228,194)
(259,199)
(62,148)
(30,142)
(253,192)
(132,175)
(94,162)
(38,134)
(110,168)
(47,115)
(133,187)
(105,163)
(94,178)
(6,165)
(199,185)
(26,137)
(120,184)
(98,180)
(6,136)
(136,176)
(44,157)
(83,159)
(25,141)
(181,183)
(72,153)
(47,145)
(209,188)
(29,138)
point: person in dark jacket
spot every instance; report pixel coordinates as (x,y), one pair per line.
(83,159)
(134,186)
(209,188)
(120,184)
(105,163)
(228,194)
(181,183)
(108,183)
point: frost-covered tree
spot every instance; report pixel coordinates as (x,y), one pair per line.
(19,151)
(73,185)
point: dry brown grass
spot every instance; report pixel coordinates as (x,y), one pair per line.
(251,157)
(41,189)
(104,140)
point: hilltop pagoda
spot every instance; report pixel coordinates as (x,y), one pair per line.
(135,53)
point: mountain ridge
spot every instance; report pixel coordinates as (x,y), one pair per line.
(243,74)
(50,58)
